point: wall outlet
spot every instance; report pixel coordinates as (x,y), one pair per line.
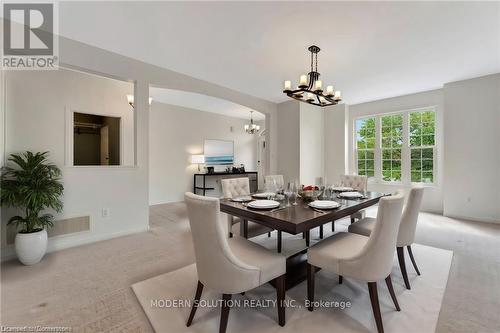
(105,212)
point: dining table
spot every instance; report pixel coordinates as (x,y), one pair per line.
(297,219)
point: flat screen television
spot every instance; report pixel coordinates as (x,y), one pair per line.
(219,152)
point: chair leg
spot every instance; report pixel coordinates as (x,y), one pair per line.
(333,226)
(197,296)
(401,258)
(341,279)
(388,282)
(352,220)
(304,235)
(280,296)
(279,240)
(308,238)
(310,285)
(321,232)
(269,234)
(413,259)
(372,288)
(224,315)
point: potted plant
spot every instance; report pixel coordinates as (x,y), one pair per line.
(32,184)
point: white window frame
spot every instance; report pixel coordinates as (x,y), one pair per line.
(405,149)
(355,145)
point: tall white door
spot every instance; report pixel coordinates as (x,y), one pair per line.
(105,145)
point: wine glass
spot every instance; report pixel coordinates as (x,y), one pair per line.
(294,189)
(288,194)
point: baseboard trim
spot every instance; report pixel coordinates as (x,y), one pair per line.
(164,202)
(66,241)
(473,218)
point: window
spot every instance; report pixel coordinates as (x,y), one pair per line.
(392,142)
(422,140)
(398,147)
(365,146)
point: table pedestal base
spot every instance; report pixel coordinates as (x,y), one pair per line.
(296,270)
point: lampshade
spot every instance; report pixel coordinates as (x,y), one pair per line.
(197,159)
(130,99)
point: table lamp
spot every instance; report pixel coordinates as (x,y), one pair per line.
(198,159)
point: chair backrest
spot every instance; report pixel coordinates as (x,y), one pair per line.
(270,180)
(376,259)
(359,183)
(218,268)
(235,187)
(409,218)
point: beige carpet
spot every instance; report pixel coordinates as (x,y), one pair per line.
(420,305)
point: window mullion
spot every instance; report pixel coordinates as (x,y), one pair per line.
(405,151)
(377,151)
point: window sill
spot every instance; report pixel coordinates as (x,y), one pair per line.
(401,184)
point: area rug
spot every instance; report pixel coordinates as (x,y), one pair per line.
(346,308)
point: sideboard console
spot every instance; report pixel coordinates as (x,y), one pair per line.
(208,184)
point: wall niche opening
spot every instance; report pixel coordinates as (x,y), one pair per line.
(96,139)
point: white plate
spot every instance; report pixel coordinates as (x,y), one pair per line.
(324,204)
(264,195)
(242,199)
(350,195)
(342,189)
(263,204)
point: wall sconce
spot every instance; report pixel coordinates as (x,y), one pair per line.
(130,100)
(198,159)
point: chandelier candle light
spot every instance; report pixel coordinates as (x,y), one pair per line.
(310,90)
(252,128)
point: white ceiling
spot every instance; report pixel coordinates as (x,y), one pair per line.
(370,50)
(203,103)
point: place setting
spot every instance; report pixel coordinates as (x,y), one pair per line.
(351,195)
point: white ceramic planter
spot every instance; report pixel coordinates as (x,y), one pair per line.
(30,248)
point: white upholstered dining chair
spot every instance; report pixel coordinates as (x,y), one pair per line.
(229,265)
(364,258)
(238,187)
(406,235)
(271,180)
(357,183)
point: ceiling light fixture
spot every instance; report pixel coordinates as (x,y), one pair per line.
(130,100)
(252,128)
(310,90)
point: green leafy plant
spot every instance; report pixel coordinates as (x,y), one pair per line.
(32,184)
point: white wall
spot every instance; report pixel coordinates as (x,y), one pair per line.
(37,105)
(433,197)
(175,134)
(133,182)
(472,149)
(288,136)
(312,143)
(335,132)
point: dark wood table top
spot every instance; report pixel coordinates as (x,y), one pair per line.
(299,218)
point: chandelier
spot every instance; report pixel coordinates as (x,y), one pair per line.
(310,89)
(252,128)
